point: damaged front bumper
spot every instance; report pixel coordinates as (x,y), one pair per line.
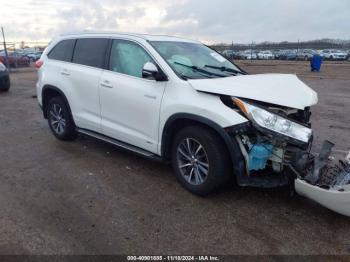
(336,199)
(272,162)
(275,146)
(325,182)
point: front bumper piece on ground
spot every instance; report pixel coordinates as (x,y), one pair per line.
(337,200)
(326,183)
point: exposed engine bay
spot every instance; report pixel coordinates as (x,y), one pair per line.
(266,149)
(279,159)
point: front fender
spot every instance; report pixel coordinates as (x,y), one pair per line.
(204,105)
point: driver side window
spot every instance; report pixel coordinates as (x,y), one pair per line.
(128,58)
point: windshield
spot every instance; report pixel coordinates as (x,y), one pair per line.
(195,61)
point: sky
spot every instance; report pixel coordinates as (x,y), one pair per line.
(209,21)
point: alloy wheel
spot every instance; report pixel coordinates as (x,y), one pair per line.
(192,161)
(57,120)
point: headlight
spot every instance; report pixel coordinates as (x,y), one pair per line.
(274,122)
(2,67)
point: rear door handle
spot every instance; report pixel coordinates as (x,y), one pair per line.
(106,84)
(65,72)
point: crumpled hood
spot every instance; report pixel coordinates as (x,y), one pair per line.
(280,89)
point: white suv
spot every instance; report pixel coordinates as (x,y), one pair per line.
(267,55)
(180,101)
(334,54)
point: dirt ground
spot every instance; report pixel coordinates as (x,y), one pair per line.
(88,197)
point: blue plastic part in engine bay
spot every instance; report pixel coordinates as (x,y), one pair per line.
(258,156)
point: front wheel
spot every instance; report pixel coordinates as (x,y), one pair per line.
(200,160)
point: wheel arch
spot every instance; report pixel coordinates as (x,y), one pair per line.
(180,120)
(49,92)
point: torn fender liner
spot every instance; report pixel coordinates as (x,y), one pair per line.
(335,199)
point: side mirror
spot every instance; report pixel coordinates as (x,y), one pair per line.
(151,72)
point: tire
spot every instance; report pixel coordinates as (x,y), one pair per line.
(209,154)
(5,84)
(60,119)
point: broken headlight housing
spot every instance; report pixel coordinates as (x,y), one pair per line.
(274,122)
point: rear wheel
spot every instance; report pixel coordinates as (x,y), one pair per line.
(200,160)
(60,119)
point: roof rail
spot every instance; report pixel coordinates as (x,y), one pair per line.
(143,36)
(102,32)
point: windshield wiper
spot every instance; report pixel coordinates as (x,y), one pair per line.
(226,69)
(185,77)
(196,68)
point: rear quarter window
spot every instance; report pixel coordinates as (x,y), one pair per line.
(90,52)
(63,51)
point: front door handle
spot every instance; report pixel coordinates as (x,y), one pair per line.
(106,84)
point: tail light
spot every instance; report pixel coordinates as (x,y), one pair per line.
(38,64)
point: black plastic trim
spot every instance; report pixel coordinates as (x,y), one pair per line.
(108,55)
(120,144)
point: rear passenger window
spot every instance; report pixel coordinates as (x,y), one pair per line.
(63,51)
(90,52)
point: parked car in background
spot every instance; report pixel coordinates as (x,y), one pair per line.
(278,53)
(34,56)
(239,55)
(15,60)
(334,54)
(230,54)
(306,54)
(288,55)
(249,55)
(266,55)
(4,78)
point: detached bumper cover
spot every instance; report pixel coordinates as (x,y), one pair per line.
(327,183)
(337,200)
